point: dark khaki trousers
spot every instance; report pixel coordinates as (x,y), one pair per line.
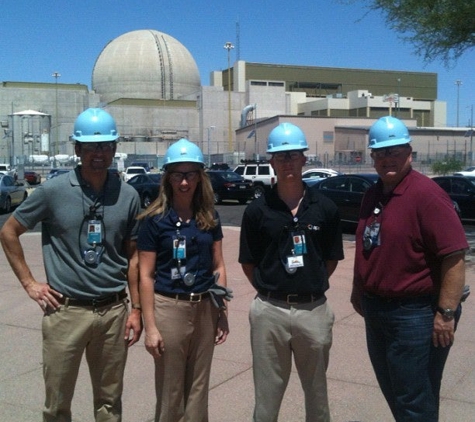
(182,373)
(67,334)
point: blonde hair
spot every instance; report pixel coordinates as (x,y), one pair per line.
(202,204)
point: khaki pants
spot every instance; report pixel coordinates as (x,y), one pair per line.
(67,333)
(279,331)
(182,372)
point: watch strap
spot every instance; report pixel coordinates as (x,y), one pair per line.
(447,313)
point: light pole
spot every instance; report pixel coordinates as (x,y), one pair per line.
(458,82)
(12,148)
(228,46)
(56,75)
(210,128)
(398,97)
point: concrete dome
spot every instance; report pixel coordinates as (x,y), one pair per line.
(145,64)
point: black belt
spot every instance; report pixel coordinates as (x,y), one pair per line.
(190,297)
(400,299)
(96,303)
(291,298)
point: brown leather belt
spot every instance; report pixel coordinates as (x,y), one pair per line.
(95,303)
(190,297)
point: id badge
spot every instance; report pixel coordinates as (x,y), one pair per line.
(177,275)
(294,261)
(371,236)
(179,247)
(94,232)
(298,240)
(373,231)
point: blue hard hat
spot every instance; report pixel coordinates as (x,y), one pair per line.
(286,137)
(95,125)
(387,132)
(183,151)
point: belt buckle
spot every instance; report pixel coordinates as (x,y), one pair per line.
(289,302)
(195,295)
(96,303)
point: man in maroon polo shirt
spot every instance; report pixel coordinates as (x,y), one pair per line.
(409,276)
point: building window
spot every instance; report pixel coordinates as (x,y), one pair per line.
(328,137)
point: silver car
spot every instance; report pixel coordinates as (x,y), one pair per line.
(12,193)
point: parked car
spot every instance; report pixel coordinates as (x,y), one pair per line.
(28,188)
(347,191)
(260,173)
(220,166)
(8,170)
(132,171)
(12,192)
(230,185)
(32,177)
(310,181)
(461,190)
(312,176)
(147,186)
(469,171)
(143,164)
(56,172)
(115,172)
(320,172)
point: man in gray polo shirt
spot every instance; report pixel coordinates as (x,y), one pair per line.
(89,235)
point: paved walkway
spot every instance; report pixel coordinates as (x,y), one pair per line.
(354,394)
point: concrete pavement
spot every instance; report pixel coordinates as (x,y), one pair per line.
(353,390)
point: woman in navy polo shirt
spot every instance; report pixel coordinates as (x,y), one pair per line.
(182,283)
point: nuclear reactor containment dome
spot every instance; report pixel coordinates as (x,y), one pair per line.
(145,64)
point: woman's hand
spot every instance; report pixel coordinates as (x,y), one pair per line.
(222,330)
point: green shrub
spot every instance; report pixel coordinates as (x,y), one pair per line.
(448,166)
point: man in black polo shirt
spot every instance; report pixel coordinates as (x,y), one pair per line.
(290,245)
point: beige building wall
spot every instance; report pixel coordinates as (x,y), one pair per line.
(334,141)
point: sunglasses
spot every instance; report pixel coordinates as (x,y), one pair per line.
(388,152)
(287,156)
(178,176)
(96,146)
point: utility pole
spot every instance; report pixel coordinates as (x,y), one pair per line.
(56,75)
(210,128)
(228,46)
(398,97)
(458,82)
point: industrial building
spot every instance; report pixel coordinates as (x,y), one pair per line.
(151,84)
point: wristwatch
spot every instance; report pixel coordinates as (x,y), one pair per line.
(447,313)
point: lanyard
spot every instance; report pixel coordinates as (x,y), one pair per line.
(178,271)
